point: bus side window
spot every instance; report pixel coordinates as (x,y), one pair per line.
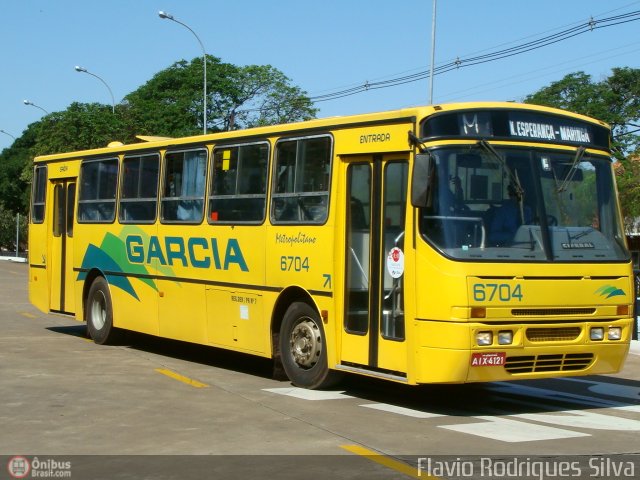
(183,186)
(239,184)
(38,195)
(139,189)
(98,186)
(301,180)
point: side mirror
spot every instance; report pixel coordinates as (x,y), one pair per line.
(421,179)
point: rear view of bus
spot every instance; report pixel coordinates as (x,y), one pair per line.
(521,266)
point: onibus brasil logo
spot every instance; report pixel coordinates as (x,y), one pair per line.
(21,467)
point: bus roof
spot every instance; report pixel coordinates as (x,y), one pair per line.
(409,114)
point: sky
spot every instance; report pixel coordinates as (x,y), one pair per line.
(322,46)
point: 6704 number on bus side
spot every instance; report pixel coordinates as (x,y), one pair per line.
(290,263)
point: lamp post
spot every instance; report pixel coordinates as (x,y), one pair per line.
(7,133)
(433,51)
(84,70)
(168,16)
(29,102)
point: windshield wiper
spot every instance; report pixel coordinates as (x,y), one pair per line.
(514,178)
(574,168)
(581,234)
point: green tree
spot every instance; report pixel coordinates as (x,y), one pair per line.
(81,126)
(170,104)
(615,100)
(14,161)
(8,230)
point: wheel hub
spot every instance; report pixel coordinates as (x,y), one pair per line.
(306,343)
(98,311)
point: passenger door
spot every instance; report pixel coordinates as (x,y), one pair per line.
(62,297)
(373,334)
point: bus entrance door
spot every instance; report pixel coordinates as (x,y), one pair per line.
(373,334)
(61,247)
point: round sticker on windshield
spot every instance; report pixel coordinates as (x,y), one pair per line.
(395,262)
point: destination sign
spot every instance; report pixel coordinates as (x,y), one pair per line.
(515,124)
(547,130)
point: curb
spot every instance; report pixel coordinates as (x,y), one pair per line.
(14,259)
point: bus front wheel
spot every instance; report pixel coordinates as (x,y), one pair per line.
(303,348)
(99,313)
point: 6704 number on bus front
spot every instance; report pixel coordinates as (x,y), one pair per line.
(503,292)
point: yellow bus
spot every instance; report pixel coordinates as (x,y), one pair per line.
(448,243)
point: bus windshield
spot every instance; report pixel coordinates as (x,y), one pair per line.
(522,204)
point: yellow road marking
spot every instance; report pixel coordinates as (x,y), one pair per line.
(181,378)
(28,315)
(387,462)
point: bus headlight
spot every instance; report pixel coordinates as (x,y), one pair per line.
(484,338)
(505,337)
(615,333)
(597,333)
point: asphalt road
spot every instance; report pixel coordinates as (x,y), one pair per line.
(154,408)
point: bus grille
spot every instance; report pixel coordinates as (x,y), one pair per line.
(552,334)
(548,363)
(520,312)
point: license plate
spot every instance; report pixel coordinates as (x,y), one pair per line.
(489,359)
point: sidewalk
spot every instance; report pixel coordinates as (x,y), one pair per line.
(14,259)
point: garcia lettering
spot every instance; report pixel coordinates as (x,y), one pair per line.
(197,252)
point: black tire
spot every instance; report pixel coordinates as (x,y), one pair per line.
(99,313)
(303,349)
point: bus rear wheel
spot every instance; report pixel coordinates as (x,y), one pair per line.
(303,348)
(99,313)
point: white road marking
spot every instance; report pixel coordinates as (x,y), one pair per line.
(512,431)
(407,412)
(584,419)
(304,394)
(513,428)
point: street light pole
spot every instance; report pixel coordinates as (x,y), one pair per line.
(29,102)
(7,133)
(17,234)
(168,16)
(433,52)
(84,70)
